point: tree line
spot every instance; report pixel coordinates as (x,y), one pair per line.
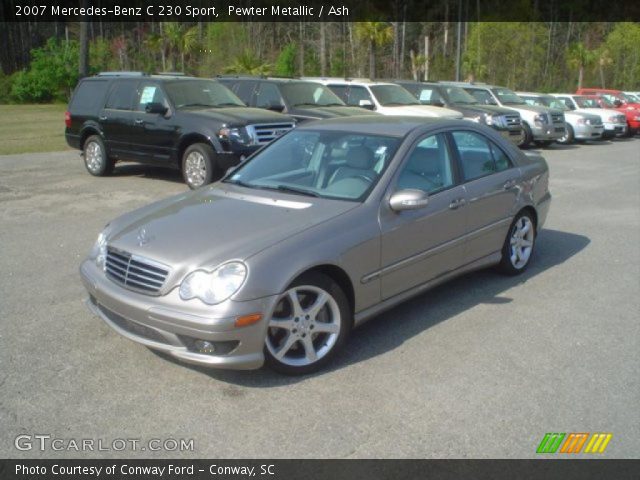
(42,62)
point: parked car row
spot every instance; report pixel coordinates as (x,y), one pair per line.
(203,127)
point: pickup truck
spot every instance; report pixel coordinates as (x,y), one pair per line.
(618,100)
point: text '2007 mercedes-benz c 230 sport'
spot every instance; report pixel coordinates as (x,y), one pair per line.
(321,230)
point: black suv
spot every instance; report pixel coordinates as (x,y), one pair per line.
(504,120)
(303,100)
(196,125)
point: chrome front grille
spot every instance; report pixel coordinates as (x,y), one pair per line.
(265,133)
(135,272)
(557,117)
(512,121)
(596,121)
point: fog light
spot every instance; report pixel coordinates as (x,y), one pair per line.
(204,347)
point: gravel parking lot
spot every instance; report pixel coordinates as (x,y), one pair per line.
(482,367)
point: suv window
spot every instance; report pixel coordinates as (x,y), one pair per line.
(340,91)
(268,95)
(478,155)
(150,93)
(356,94)
(482,96)
(88,96)
(244,90)
(428,167)
(122,95)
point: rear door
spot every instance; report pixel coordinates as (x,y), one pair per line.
(492,186)
(116,118)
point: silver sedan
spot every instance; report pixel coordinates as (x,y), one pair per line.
(321,230)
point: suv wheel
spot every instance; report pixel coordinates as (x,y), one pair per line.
(198,165)
(568,136)
(518,246)
(95,157)
(310,323)
(527,137)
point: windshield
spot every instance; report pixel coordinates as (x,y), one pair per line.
(545,101)
(201,93)
(507,97)
(393,95)
(460,96)
(307,93)
(585,102)
(337,165)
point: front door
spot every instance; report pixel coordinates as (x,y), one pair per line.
(422,244)
(155,133)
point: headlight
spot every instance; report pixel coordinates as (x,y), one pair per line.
(99,250)
(214,287)
(237,135)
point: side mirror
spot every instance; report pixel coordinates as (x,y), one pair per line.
(617,103)
(409,199)
(490,101)
(155,107)
(368,104)
(276,107)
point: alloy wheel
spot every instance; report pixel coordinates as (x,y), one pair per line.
(93,157)
(304,326)
(195,169)
(521,242)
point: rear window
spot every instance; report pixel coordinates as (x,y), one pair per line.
(88,97)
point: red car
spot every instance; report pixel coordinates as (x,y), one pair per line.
(620,101)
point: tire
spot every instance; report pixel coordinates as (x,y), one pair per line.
(569,136)
(512,262)
(198,165)
(528,136)
(302,342)
(95,157)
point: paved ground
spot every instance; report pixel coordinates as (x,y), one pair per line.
(480,367)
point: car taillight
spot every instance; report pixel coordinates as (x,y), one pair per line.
(67,119)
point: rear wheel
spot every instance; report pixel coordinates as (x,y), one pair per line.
(518,246)
(568,137)
(310,323)
(198,165)
(95,156)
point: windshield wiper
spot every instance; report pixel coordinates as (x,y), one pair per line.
(399,104)
(229,104)
(305,104)
(299,191)
(195,105)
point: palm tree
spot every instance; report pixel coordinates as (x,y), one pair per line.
(580,57)
(604,60)
(248,63)
(375,34)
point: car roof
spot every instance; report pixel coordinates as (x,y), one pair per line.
(249,78)
(395,126)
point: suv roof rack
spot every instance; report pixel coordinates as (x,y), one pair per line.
(121,74)
(452,82)
(240,75)
(172,74)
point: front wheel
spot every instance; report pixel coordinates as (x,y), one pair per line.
(527,136)
(198,165)
(568,136)
(518,246)
(310,323)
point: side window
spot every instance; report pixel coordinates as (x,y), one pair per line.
(121,96)
(568,103)
(356,94)
(479,156)
(244,90)
(268,95)
(428,166)
(340,91)
(149,93)
(482,96)
(430,96)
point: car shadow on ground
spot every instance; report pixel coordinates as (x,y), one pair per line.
(391,329)
(147,171)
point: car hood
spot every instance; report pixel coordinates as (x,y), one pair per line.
(218,223)
(421,111)
(489,109)
(329,112)
(237,116)
(601,112)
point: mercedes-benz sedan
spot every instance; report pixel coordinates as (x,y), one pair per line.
(325,228)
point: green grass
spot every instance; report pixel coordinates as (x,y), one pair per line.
(32,128)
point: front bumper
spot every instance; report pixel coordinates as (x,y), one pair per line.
(547,132)
(587,132)
(157,323)
(514,136)
(614,129)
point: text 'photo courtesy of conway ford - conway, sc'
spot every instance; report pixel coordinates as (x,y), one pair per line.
(322,229)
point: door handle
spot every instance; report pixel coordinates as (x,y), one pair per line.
(458,202)
(102,118)
(139,121)
(509,184)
